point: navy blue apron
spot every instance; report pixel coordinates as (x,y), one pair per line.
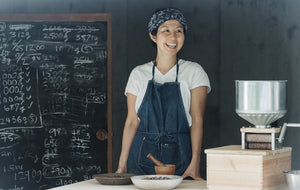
(163,130)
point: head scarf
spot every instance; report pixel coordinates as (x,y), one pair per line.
(164,15)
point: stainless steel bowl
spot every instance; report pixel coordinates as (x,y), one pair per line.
(293,179)
(261,102)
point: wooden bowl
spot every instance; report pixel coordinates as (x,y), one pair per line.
(113,178)
(167,169)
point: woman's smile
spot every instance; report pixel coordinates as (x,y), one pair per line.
(171,45)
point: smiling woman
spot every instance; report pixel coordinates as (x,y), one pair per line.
(166,100)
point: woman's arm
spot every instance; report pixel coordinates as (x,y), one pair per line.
(130,128)
(198,101)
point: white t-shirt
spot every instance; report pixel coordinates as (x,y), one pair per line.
(190,76)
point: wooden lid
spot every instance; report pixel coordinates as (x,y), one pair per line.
(237,149)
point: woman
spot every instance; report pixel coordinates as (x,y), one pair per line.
(166,100)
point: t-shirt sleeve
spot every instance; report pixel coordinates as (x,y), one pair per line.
(132,86)
(200,78)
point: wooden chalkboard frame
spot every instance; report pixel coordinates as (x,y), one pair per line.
(94,17)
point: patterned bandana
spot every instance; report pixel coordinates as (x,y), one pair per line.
(164,15)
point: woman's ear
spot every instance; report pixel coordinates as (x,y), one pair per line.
(153,38)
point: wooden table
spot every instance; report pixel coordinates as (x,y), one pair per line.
(93,185)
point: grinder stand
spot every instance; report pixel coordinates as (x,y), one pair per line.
(260,138)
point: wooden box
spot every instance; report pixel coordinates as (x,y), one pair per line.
(234,168)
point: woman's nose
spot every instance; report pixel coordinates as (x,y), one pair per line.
(173,35)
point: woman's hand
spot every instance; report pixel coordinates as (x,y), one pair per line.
(192,172)
(121,170)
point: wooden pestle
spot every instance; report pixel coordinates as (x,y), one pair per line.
(154,160)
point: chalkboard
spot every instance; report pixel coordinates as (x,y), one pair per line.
(55,99)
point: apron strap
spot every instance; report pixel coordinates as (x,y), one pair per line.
(153,69)
(177,70)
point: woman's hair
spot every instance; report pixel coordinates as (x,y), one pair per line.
(154,32)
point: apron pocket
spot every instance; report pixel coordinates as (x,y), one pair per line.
(170,154)
(148,146)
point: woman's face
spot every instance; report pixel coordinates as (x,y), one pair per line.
(169,38)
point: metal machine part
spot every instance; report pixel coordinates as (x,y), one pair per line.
(267,138)
(283,130)
(261,102)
